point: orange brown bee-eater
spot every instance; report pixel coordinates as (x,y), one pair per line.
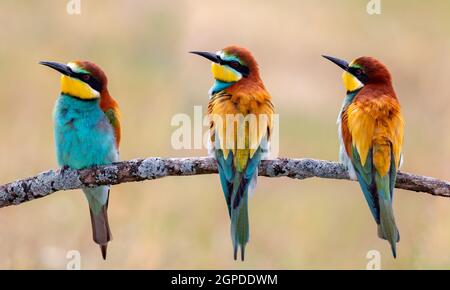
(87,133)
(370,127)
(241,113)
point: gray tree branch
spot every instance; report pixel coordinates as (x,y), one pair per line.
(48,182)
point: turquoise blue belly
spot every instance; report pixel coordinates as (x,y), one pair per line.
(83,135)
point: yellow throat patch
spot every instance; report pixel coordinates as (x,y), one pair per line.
(77,88)
(224,74)
(351,83)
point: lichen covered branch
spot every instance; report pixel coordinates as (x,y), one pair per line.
(52,181)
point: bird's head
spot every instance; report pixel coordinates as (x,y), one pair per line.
(362,71)
(232,64)
(80,79)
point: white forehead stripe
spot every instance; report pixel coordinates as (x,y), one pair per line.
(76,68)
(72,65)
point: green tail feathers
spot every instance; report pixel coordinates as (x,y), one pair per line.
(98,209)
(101,234)
(240,227)
(387,228)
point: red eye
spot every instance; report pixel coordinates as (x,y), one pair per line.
(86,77)
(234,64)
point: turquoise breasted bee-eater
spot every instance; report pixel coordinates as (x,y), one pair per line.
(238,91)
(370,127)
(87,133)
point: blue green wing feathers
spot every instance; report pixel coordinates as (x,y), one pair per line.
(237,187)
(378,191)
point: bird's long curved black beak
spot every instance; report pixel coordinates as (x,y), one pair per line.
(339,62)
(211,56)
(62,68)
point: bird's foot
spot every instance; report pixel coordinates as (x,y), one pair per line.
(64,169)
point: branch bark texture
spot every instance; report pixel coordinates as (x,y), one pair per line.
(48,182)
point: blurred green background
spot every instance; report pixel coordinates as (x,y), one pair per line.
(182,222)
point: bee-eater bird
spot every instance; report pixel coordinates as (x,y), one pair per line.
(238,92)
(370,127)
(87,133)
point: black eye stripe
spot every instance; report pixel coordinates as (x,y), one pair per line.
(359,74)
(237,66)
(354,70)
(91,81)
